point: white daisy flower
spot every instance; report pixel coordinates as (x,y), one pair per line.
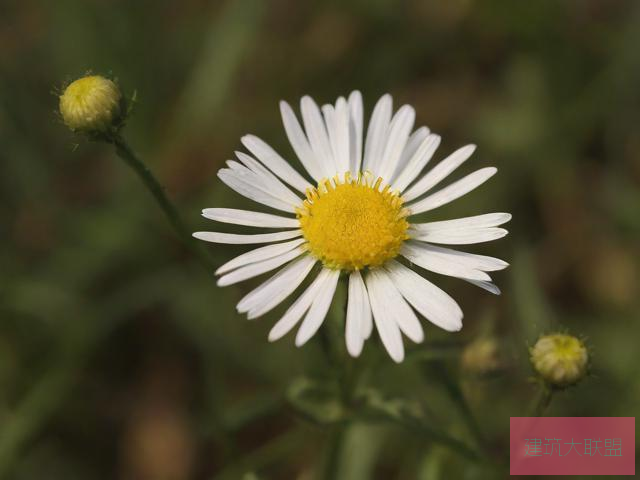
(354,216)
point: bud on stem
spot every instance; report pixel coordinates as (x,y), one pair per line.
(92,105)
(560,360)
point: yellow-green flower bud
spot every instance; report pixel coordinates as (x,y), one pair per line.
(560,359)
(91,104)
(482,356)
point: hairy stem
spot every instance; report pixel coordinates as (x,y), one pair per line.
(543,401)
(124,151)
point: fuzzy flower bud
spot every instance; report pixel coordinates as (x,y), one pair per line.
(560,359)
(482,356)
(91,104)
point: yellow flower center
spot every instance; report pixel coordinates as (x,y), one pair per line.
(352,224)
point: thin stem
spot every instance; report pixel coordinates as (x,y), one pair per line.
(49,392)
(446,440)
(418,426)
(543,401)
(340,363)
(376,407)
(334,452)
(438,371)
(124,151)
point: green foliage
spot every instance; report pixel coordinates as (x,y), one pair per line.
(121,358)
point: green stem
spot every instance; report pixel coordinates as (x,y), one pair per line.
(419,427)
(124,151)
(543,401)
(398,412)
(341,362)
(448,441)
(334,452)
(437,370)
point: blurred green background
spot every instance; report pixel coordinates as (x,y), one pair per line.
(120,358)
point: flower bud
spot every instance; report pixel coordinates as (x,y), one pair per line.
(560,359)
(91,104)
(482,356)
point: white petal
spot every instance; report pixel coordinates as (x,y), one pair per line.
(415,140)
(331,122)
(248,185)
(317,135)
(426,258)
(417,163)
(264,179)
(399,131)
(480,262)
(294,313)
(467,223)
(318,310)
(274,162)
(439,172)
(299,142)
(329,116)
(272,292)
(357,309)
(453,191)
(433,303)
(387,327)
(355,129)
(459,237)
(258,268)
(367,320)
(250,219)
(342,134)
(488,286)
(398,308)
(377,133)
(451,262)
(259,254)
(218,237)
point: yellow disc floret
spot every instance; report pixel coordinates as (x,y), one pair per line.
(90,104)
(353,224)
